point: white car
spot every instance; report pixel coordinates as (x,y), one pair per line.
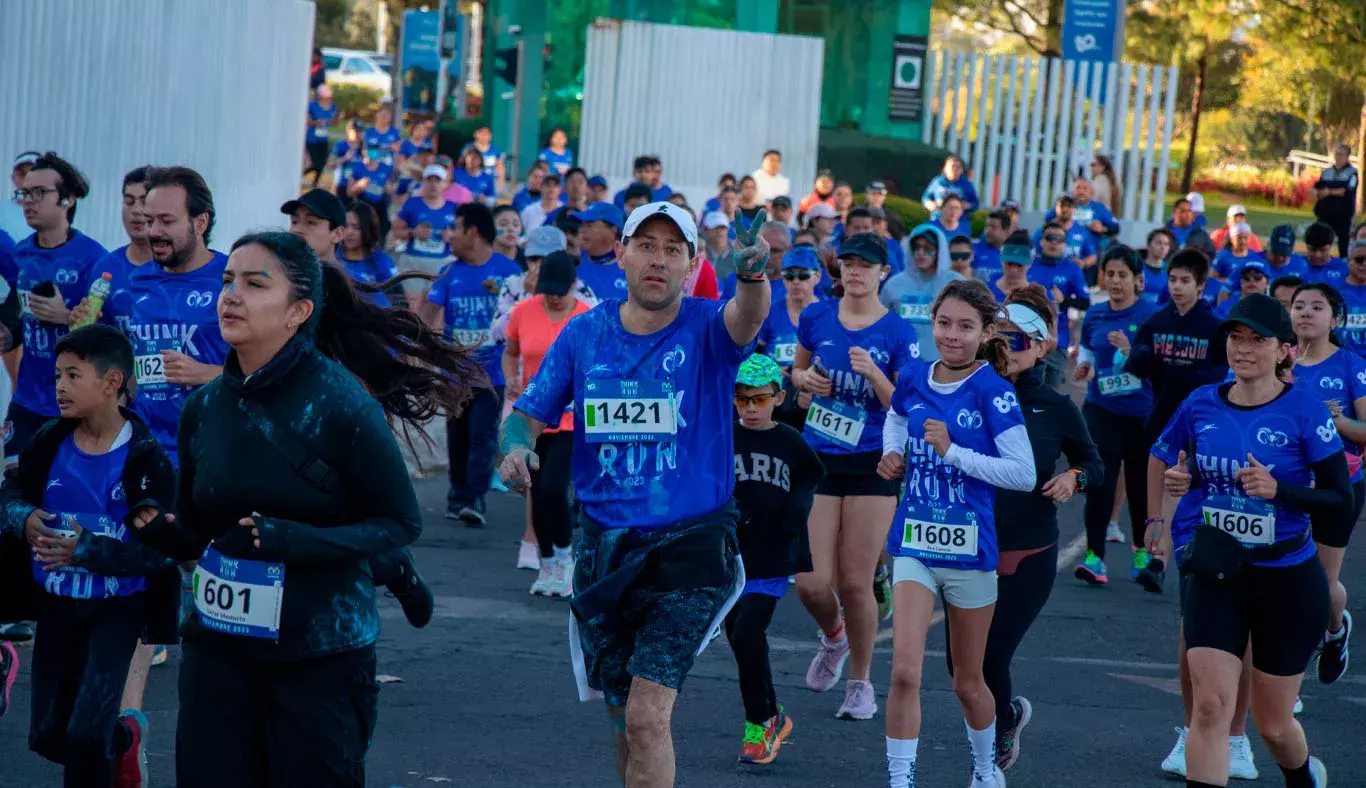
(354,67)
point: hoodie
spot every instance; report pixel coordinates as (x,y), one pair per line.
(911,293)
(1177,353)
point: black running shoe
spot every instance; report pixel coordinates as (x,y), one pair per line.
(18,632)
(1152,575)
(1334,654)
(1008,741)
(412,593)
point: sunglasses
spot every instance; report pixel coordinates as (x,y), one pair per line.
(797,276)
(1016,340)
(922,249)
(1054,238)
(1359,260)
(757,400)
(960,255)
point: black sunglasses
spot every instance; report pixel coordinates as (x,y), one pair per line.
(960,255)
(1054,238)
(1361,260)
(1016,340)
(801,276)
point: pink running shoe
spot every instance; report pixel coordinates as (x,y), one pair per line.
(826,668)
(860,702)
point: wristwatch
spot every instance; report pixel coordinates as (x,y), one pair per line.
(1081,479)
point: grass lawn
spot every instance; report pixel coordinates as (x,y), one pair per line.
(1262,216)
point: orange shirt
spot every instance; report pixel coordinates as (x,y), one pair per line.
(531,328)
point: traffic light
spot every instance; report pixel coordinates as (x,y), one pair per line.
(506,65)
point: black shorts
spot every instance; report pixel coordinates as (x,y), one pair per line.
(1283,609)
(1338,532)
(21,424)
(854,474)
(317,156)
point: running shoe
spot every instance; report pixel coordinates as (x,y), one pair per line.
(159,655)
(860,702)
(541,587)
(1140,563)
(1334,655)
(473,514)
(9,671)
(762,741)
(1175,762)
(1299,706)
(1318,772)
(1152,576)
(529,556)
(1008,741)
(828,664)
(1240,762)
(130,770)
(18,632)
(562,578)
(412,592)
(496,483)
(1091,569)
(996,780)
(882,592)
(454,508)
(1112,532)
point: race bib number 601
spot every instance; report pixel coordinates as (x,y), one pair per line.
(237,596)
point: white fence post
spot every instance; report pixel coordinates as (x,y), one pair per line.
(1168,110)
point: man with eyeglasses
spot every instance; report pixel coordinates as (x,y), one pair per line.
(1078,242)
(11,213)
(1353,291)
(1061,276)
(1320,242)
(51,271)
(960,256)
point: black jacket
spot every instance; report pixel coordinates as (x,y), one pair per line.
(776,475)
(323,534)
(1028,521)
(1177,353)
(148,480)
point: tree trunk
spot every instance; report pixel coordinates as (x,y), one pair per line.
(1197,99)
(1053,33)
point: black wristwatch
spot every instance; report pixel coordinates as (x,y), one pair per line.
(1081,479)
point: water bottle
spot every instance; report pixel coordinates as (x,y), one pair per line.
(99,291)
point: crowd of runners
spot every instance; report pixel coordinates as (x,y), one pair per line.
(704,408)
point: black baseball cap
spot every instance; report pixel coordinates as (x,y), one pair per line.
(782,200)
(1262,314)
(322,204)
(557,274)
(638,190)
(1283,239)
(868,246)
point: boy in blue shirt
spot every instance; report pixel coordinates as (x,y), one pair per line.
(96,590)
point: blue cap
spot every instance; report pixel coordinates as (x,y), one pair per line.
(1283,239)
(597,182)
(602,212)
(802,257)
(1255,265)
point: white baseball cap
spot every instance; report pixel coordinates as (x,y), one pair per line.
(435,171)
(680,218)
(715,219)
(1197,201)
(1241,228)
(820,211)
(1234,210)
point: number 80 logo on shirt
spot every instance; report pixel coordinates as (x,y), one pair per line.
(1006,402)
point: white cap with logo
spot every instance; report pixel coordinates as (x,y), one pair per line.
(435,171)
(681,219)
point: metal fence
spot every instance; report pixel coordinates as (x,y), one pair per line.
(110,85)
(1026,124)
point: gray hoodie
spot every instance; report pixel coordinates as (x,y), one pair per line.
(911,292)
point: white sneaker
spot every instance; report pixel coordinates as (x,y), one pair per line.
(998,780)
(1175,762)
(1112,532)
(1240,765)
(561,578)
(544,578)
(529,556)
(1318,772)
(1299,706)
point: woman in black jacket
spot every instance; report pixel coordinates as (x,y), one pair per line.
(291,486)
(1027,523)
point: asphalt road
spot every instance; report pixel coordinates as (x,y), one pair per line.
(485,697)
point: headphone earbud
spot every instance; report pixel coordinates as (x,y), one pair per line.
(63,202)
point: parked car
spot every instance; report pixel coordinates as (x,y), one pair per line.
(354,67)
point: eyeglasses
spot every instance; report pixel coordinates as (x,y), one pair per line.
(1359,260)
(799,276)
(1018,341)
(1054,238)
(922,249)
(960,255)
(757,400)
(35,194)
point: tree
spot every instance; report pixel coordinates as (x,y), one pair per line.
(1037,22)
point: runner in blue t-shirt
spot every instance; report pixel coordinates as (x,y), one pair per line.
(956,433)
(361,253)
(556,154)
(1353,292)
(1161,244)
(600,225)
(1237,253)
(122,262)
(651,381)
(464,301)
(344,152)
(383,136)
(1338,377)
(490,157)
(1320,243)
(472,176)
(1266,458)
(371,180)
(1063,280)
(849,353)
(422,220)
(986,252)
(1252,278)
(1080,243)
(321,113)
(1117,403)
(415,155)
(801,272)
(51,271)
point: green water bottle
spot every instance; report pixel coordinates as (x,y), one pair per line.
(99,290)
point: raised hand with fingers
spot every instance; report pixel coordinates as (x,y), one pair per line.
(751,250)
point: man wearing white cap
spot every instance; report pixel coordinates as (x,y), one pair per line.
(1237,252)
(651,378)
(539,212)
(820,220)
(717,246)
(1235,215)
(420,223)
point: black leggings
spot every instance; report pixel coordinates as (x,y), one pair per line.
(551,515)
(1120,439)
(1019,598)
(747,630)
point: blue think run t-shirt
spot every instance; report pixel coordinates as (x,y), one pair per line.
(468,297)
(1340,378)
(1287,435)
(1113,387)
(415,213)
(849,421)
(88,488)
(68,268)
(653,413)
(118,305)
